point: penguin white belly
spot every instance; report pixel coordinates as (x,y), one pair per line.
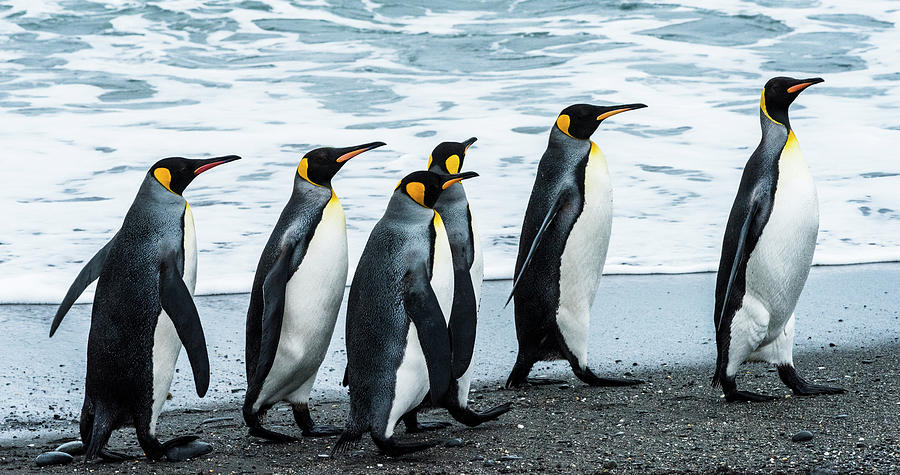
(779,264)
(166,344)
(412,382)
(583,257)
(312,299)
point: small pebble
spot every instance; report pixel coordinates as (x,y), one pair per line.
(868,361)
(617,434)
(53,458)
(841,416)
(453,442)
(564,386)
(510,457)
(609,465)
(489,463)
(74,447)
(802,436)
(324,456)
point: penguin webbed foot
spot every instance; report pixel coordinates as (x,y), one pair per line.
(185,447)
(472,418)
(591,379)
(413,425)
(800,387)
(310,429)
(747,396)
(271,435)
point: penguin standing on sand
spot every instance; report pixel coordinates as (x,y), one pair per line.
(468,271)
(766,253)
(398,346)
(143,312)
(562,247)
(296,295)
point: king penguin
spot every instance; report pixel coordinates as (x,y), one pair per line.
(563,247)
(297,293)
(398,345)
(468,272)
(143,313)
(766,252)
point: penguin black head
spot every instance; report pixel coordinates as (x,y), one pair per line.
(176,173)
(778,95)
(448,157)
(424,187)
(579,121)
(320,165)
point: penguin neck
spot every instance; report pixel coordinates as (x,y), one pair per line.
(774,133)
(777,115)
(152,191)
(303,186)
(566,152)
(402,207)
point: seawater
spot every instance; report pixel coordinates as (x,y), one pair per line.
(91,94)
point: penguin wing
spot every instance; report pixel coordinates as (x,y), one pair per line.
(561,200)
(463,318)
(423,309)
(739,256)
(273,291)
(88,274)
(176,300)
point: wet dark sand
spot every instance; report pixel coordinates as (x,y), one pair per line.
(657,328)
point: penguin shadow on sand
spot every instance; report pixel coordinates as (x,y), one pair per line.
(143,312)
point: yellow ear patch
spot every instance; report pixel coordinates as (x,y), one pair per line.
(416,191)
(303,171)
(563,122)
(164,177)
(430,159)
(452,163)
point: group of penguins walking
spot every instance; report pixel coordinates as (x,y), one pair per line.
(414,298)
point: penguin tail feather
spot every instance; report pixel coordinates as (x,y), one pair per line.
(347,441)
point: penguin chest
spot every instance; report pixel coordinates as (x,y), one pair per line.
(442,268)
(312,299)
(779,264)
(584,254)
(166,344)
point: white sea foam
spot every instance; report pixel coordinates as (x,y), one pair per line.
(89,104)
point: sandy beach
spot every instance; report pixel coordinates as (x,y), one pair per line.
(654,327)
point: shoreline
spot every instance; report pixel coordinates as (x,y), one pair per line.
(657,328)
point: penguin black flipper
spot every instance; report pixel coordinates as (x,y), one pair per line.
(561,200)
(176,300)
(274,289)
(88,274)
(739,256)
(423,309)
(462,323)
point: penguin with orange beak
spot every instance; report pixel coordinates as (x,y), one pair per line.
(766,252)
(562,247)
(296,295)
(142,315)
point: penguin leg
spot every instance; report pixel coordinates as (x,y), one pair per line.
(299,400)
(578,361)
(413,425)
(748,329)
(780,353)
(253,419)
(519,374)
